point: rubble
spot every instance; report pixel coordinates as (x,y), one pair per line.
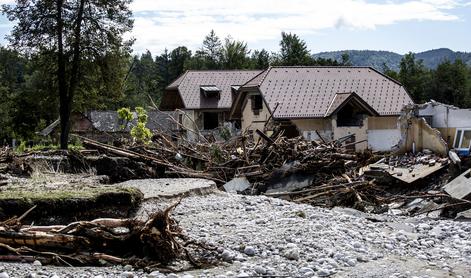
(460,188)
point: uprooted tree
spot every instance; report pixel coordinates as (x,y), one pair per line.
(74,33)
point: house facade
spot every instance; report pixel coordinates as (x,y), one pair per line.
(204,98)
(324,103)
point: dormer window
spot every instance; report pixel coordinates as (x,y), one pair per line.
(210,91)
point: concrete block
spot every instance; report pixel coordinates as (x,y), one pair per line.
(460,187)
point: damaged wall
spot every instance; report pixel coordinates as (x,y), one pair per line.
(446,118)
(308,127)
(383,133)
(417,130)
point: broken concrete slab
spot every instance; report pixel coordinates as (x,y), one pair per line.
(237,185)
(170,188)
(464,215)
(460,187)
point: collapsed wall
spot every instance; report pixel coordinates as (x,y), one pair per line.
(417,134)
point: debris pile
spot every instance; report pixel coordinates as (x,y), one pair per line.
(150,244)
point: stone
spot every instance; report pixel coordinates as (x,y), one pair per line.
(237,185)
(323,272)
(127,274)
(37,263)
(128,267)
(4,275)
(304,270)
(227,256)
(292,254)
(249,251)
(260,270)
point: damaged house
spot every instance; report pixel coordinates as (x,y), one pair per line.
(204,97)
(451,124)
(325,103)
(107,127)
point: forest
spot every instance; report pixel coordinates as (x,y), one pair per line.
(121,78)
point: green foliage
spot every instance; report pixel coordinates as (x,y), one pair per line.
(293,51)
(414,76)
(126,116)
(235,54)
(451,84)
(140,132)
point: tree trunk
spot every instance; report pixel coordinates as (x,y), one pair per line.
(64,109)
(74,74)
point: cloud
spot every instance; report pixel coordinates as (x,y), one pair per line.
(163,24)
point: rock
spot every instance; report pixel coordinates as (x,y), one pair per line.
(292,254)
(128,267)
(260,270)
(249,251)
(154,274)
(323,272)
(172,275)
(37,263)
(4,275)
(227,256)
(127,274)
(304,270)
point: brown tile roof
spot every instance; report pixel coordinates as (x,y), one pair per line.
(307,92)
(189,84)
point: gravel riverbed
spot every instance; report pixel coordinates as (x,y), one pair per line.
(261,236)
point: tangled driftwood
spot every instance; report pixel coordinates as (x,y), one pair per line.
(154,242)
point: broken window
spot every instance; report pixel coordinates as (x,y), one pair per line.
(462,139)
(257,104)
(350,115)
(210,120)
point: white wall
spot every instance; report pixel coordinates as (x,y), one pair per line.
(383,139)
(457,118)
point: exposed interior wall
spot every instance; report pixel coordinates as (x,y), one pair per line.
(359,131)
(416,130)
(384,133)
(308,127)
(382,123)
(446,118)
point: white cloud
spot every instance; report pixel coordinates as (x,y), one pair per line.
(163,24)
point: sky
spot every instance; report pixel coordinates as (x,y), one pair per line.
(394,25)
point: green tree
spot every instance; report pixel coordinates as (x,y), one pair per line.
(389,72)
(415,77)
(260,59)
(71,32)
(294,51)
(345,61)
(451,84)
(211,52)
(179,58)
(235,54)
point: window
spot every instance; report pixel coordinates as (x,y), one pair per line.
(210,120)
(257,104)
(462,139)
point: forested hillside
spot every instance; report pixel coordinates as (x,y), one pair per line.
(381,59)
